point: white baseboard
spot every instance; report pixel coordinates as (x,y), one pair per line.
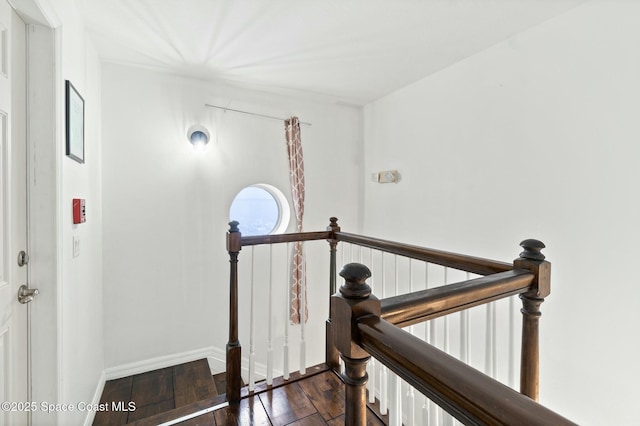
(215,357)
(217,361)
(91,414)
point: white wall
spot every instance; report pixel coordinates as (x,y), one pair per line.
(166,206)
(534,137)
(79,294)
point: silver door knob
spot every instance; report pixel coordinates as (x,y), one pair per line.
(26,294)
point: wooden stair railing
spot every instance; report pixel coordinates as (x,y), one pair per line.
(235,242)
(476,265)
(364,328)
(528,276)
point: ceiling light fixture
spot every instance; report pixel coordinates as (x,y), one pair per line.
(198,136)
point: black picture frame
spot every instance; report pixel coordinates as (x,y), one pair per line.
(74,123)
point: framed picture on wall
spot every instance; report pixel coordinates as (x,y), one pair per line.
(74,123)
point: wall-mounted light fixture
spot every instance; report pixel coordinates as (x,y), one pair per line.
(198,136)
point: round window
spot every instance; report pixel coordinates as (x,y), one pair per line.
(260,209)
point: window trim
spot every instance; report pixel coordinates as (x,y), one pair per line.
(284,209)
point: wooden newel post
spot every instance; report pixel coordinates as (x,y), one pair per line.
(355,379)
(234,351)
(532,259)
(332,357)
(353,301)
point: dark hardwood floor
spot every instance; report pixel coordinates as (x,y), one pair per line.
(161,395)
(314,400)
(156,392)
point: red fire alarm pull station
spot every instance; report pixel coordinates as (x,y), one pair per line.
(79,211)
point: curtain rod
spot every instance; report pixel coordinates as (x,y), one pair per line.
(251,113)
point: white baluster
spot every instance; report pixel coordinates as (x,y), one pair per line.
(395,275)
(447,419)
(270,321)
(441,415)
(343,251)
(426,403)
(464,333)
(446,317)
(252,353)
(395,407)
(384,380)
(303,310)
(371,366)
(285,367)
(411,397)
(512,343)
(494,348)
(425,412)
(434,410)
(411,406)
(490,344)
(434,413)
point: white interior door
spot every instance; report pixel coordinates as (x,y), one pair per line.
(14,356)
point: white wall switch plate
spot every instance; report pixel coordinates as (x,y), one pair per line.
(388,176)
(76,246)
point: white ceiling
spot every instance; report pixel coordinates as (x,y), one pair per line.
(352,51)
